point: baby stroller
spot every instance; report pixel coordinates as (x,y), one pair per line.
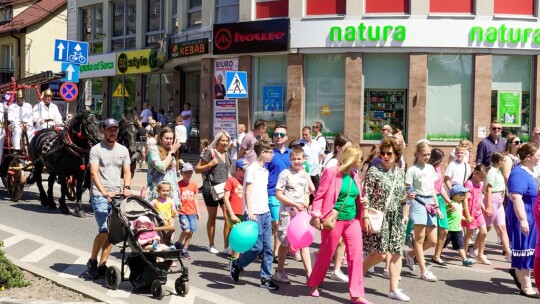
(145,269)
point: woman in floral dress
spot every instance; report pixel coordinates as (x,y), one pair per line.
(385,191)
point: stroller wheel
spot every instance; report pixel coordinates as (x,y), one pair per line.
(112,276)
(181,287)
(158,291)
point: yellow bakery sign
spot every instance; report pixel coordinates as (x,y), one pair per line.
(133,62)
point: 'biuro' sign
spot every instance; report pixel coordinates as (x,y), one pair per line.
(504,34)
(367,33)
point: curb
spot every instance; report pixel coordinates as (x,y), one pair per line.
(91,293)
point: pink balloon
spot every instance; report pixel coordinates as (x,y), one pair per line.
(300,233)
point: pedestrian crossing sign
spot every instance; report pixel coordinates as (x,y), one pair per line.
(236,84)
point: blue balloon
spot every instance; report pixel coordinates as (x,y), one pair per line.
(243,236)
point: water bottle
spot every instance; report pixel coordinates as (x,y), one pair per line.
(410,189)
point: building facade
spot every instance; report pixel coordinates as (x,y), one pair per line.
(435,69)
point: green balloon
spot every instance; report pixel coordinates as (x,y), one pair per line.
(243,236)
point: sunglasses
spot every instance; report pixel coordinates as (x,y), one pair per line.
(314,127)
(279,134)
(496,129)
(388,154)
(517,142)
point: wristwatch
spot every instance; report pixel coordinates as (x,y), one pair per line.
(127,187)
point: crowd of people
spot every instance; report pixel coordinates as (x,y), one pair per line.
(368,210)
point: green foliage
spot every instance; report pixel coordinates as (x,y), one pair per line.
(10,275)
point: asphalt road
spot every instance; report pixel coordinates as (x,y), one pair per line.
(59,245)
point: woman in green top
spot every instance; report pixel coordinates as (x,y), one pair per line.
(385,191)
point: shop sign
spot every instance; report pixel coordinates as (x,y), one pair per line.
(251,37)
(509,108)
(221,66)
(189,48)
(416,33)
(133,62)
(99,66)
(225,117)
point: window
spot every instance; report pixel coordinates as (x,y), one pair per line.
(515,7)
(449,97)
(325,92)
(175,21)
(6,63)
(159,91)
(272,8)
(154,23)
(92,28)
(454,6)
(194,13)
(227,11)
(122,94)
(270,87)
(6,14)
(511,93)
(124,23)
(387,6)
(325,7)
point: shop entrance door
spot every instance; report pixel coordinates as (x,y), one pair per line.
(192,93)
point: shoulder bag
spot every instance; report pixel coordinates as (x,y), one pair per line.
(375,216)
(329,222)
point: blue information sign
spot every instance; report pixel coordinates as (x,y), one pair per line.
(237,86)
(71,51)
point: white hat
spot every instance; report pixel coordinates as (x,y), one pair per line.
(141,219)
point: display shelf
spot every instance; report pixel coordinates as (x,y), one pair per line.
(383,107)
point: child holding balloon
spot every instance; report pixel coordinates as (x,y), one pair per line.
(232,199)
(292,190)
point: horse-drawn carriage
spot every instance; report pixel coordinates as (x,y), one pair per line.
(64,153)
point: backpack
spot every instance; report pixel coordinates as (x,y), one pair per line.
(327,147)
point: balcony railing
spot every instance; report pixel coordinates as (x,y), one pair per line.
(5,75)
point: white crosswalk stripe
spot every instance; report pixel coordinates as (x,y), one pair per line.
(76,269)
(15,239)
(40,253)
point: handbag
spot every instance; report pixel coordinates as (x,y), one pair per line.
(218,191)
(329,222)
(375,216)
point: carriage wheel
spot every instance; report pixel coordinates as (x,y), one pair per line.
(158,290)
(71,184)
(14,180)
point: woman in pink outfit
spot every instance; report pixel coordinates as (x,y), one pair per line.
(339,189)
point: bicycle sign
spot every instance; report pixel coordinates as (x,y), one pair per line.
(71,51)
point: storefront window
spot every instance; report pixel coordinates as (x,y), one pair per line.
(159,92)
(96,89)
(325,92)
(385,95)
(270,87)
(449,97)
(124,22)
(511,93)
(122,95)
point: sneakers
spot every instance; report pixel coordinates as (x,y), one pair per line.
(428,276)
(179,246)
(298,257)
(483,260)
(268,284)
(185,255)
(155,246)
(339,276)
(172,247)
(409,260)
(473,253)
(439,262)
(234,271)
(92,269)
(371,269)
(399,295)
(228,251)
(468,262)
(212,249)
(386,273)
(281,277)
(102,269)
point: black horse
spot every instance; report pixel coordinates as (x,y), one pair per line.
(127,136)
(65,154)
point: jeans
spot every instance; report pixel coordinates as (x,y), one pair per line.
(263,244)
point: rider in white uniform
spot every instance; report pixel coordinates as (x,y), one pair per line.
(20,119)
(46,114)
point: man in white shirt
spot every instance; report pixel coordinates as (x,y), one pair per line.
(20,119)
(186,118)
(319,137)
(181,134)
(314,157)
(46,114)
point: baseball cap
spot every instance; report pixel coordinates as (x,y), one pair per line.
(109,123)
(187,167)
(242,163)
(457,188)
(297,142)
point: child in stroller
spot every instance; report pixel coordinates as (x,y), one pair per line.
(146,268)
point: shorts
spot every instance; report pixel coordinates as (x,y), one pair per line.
(284,221)
(274,205)
(457,239)
(207,196)
(101,208)
(418,213)
(498,217)
(188,222)
(239,216)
